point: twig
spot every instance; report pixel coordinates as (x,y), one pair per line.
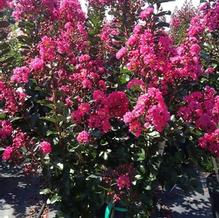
(41,211)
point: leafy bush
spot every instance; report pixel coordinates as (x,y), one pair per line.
(104,103)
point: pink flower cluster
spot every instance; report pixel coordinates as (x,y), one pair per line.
(3,4)
(118,104)
(101,3)
(150,109)
(19,140)
(146,13)
(67,10)
(70,11)
(8,97)
(83,137)
(210,142)
(122,176)
(7,153)
(47,49)
(207,19)
(201,109)
(153,57)
(5,129)
(45,147)
(187,63)
(175,22)
(37,64)
(123,182)
(105,107)
(20,75)
(107,35)
(136,83)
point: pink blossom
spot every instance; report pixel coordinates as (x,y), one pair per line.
(123,181)
(118,104)
(121,53)
(209,70)
(2,4)
(146,13)
(135,127)
(19,139)
(83,137)
(87,84)
(195,49)
(128,117)
(98,95)
(77,116)
(84,58)
(159,116)
(5,129)
(151,108)
(132,40)
(175,22)
(204,6)
(20,75)
(37,64)
(135,83)
(84,108)
(68,102)
(196,26)
(45,147)
(47,48)
(21,96)
(199,109)
(9,96)
(102,85)
(63,45)
(7,153)
(210,142)
(137,29)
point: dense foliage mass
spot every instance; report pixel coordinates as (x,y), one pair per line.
(106,103)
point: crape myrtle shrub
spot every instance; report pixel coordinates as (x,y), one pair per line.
(109,109)
(180,20)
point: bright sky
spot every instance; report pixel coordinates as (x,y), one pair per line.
(167,6)
(178,3)
(171,6)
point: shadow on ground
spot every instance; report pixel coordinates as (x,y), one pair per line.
(18,193)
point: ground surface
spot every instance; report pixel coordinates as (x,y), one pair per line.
(19,198)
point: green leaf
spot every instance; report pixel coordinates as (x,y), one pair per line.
(49,133)
(2,116)
(163,13)
(25,39)
(141,155)
(46,103)
(1,149)
(124,70)
(50,119)
(124,78)
(45,191)
(55,198)
(162,24)
(16,119)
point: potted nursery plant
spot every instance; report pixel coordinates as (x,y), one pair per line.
(102,105)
